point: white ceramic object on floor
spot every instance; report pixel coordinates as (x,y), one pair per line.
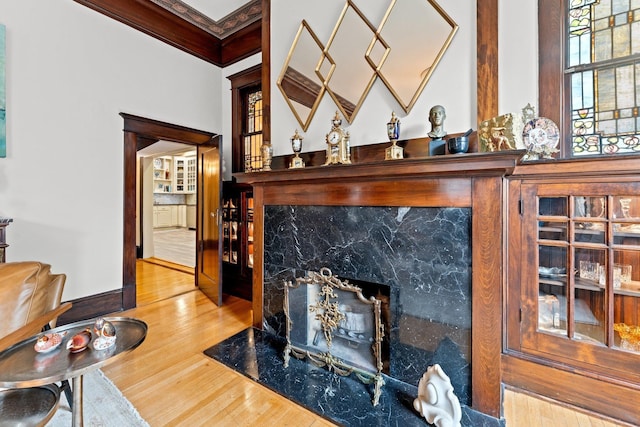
(436,401)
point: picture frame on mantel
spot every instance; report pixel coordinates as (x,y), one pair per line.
(3,98)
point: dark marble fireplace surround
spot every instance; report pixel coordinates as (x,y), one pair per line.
(422,254)
(428,228)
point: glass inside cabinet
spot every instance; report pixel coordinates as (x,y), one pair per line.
(180,174)
(237,229)
(249,204)
(238,245)
(588,250)
(230,218)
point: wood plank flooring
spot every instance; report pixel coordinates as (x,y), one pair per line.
(157,280)
(176,245)
(172,383)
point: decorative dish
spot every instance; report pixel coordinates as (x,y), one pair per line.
(540,137)
(47,343)
(79,341)
(103,343)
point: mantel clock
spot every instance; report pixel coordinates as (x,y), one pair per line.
(338,145)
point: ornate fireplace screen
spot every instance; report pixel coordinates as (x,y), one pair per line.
(331,323)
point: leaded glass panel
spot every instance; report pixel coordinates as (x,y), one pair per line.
(252,135)
(602,37)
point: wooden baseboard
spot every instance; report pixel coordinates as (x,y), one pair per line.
(591,394)
(93,306)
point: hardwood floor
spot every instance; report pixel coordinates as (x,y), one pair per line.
(157,280)
(523,410)
(172,383)
(176,245)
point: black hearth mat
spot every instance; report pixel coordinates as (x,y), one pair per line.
(342,400)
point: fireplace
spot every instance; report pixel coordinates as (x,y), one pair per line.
(423,255)
(429,229)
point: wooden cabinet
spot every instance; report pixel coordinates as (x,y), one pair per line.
(170,216)
(174,174)
(177,215)
(574,283)
(162,174)
(237,240)
(180,174)
(191,216)
(162,216)
(4,222)
(192,175)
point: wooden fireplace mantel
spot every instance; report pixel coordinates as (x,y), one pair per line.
(473,180)
(478,164)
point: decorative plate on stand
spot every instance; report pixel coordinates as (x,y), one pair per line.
(540,137)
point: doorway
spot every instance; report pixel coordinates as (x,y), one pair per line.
(167,179)
(166,237)
(140,133)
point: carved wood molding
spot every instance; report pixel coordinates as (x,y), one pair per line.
(167,26)
(225,26)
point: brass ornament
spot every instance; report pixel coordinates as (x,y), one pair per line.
(393,132)
(338,144)
(296,145)
(330,311)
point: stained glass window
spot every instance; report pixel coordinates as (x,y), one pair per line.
(603,65)
(252,132)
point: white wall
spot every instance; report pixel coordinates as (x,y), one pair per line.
(453,83)
(70,72)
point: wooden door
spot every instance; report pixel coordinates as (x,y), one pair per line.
(208,256)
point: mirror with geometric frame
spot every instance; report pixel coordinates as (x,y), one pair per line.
(419,32)
(300,81)
(403,51)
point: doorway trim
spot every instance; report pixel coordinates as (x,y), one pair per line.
(140,132)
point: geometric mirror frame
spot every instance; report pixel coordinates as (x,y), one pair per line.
(406,27)
(301,81)
(352,38)
(403,52)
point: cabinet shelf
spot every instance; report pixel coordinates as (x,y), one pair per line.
(632,289)
(579,283)
(174,174)
(237,240)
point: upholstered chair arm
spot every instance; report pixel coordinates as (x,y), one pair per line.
(33,327)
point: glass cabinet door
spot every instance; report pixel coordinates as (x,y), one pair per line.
(249,221)
(625,274)
(230,246)
(587,251)
(237,231)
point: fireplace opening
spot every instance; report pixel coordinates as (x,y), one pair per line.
(339,325)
